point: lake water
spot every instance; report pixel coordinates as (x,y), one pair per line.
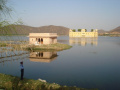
(90,63)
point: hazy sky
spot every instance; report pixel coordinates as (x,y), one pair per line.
(74,14)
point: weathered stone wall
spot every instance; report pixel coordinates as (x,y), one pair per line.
(42,38)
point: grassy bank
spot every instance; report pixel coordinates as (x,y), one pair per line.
(3,44)
(57,47)
(8,82)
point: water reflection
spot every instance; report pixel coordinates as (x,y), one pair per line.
(83,41)
(11,57)
(22,70)
(42,56)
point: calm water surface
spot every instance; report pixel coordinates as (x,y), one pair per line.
(90,63)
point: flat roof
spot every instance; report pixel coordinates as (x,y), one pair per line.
(34,35)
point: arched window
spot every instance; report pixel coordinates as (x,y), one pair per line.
(41,54)
(41,40)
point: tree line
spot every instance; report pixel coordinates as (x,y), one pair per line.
(79,30)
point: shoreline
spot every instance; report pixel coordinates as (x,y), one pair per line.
(49,47)
(9,82)
(57,47)
(110,35)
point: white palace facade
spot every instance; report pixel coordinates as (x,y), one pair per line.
(83,33)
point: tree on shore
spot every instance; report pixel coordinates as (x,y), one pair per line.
(7,30)
(92,30)
(79,30)
(73,30)
(5,12)
(4,9)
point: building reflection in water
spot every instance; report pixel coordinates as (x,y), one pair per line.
(83,41)
(43,56)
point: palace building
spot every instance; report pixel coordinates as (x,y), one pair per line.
(42,38)
(83,33)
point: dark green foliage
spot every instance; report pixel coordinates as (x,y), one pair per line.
(79,30)
(92,30)
(73,30)
(3,44)
(43,86)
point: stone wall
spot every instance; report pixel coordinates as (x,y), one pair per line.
(94,33)
(42,38)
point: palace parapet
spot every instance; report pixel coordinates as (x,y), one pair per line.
(83,33)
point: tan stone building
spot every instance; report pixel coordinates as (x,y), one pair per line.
(83,33)
(42,38)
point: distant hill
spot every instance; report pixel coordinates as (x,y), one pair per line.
(101,31)
(113,31)
(22,29)
(116,30)
(60,30)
